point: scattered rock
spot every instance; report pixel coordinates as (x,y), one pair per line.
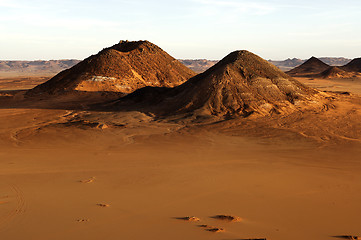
(102,126)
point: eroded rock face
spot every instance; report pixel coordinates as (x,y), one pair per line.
(124,67)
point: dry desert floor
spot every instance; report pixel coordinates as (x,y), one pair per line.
(80,174)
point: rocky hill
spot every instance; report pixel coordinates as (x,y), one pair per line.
(122,68)
(239,85)
(309,68)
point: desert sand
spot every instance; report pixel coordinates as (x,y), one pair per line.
(241,151)
(78,174)
(15,82)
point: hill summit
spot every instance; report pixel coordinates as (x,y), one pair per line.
(124,67)
(311,67)
(240,84)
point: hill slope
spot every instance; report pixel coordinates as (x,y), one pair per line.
(336,72)
(353,66)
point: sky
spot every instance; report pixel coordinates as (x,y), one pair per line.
(186,29)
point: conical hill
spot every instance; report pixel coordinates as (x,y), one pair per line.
(124,67)
(241,83)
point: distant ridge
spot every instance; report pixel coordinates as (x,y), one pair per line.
(123,68)
(287,64)
(35,68)
(311,67)
(53,67)
(198,65)
(240,84)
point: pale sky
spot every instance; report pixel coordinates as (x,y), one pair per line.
(188,29)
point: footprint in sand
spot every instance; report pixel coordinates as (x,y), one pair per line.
(103,205)
(253,239)
(82,220)
(211,228)
(349,237)
(189,219)
(90,180)
(227,218)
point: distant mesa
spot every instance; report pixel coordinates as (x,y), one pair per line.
(198,65)
(240,84)
(309,68)
(353,66)
(35,68)
(122,68)
(287,64)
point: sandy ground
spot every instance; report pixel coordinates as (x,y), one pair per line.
(71,174)
(20,82)
(342,85)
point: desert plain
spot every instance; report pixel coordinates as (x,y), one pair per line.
(72,172)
